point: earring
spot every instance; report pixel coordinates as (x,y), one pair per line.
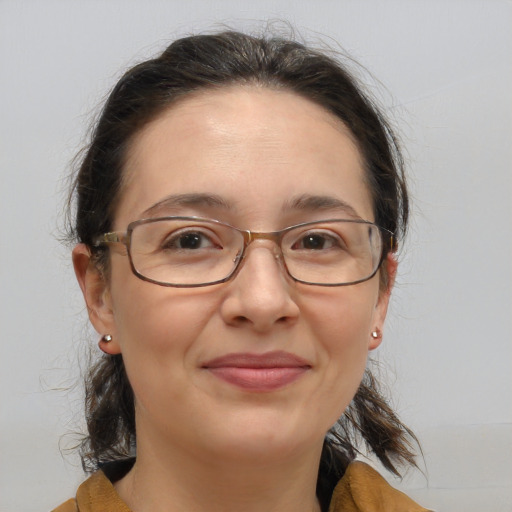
(376,334)
(104,341)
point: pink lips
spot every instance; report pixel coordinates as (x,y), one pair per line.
(258,372)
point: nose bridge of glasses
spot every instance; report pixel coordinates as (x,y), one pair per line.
(272,236)
(270,240)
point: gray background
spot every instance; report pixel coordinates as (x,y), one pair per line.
(446,80)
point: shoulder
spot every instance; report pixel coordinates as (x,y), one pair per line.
(96,494)
(68,506)
(362,489)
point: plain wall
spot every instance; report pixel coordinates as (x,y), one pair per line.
(446,81)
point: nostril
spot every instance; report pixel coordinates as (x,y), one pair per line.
(240,320)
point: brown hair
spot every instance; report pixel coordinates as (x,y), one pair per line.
(143,93)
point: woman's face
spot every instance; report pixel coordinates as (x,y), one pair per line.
(192,354)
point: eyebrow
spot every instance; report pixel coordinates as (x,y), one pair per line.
(304,202)
(309,202)
(180,200)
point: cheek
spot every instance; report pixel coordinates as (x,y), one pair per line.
(151,318)
(158,329)
(343,318)
(159,321)
(341,325)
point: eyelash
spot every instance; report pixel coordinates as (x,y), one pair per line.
(172,240)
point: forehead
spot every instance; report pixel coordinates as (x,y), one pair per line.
(246,144)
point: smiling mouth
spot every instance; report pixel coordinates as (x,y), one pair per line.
(258,372)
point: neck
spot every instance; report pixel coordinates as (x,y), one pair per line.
(175,480)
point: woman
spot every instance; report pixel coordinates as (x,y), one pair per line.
(238,211)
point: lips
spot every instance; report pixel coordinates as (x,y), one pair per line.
(258,372)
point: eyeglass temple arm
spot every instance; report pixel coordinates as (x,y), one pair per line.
(110,238)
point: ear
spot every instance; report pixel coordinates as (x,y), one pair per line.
(390,265)
(97,296)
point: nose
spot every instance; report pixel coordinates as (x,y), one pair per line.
(260,295)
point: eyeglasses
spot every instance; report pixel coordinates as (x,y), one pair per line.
(190,251)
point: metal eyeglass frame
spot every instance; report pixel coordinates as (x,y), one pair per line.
(249,236)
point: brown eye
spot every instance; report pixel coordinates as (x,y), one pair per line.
(189,240)
(316,242)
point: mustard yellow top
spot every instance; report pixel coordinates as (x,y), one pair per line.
(362,489)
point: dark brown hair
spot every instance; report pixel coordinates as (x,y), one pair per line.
(207,62)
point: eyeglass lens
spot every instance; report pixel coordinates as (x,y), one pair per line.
(192,252)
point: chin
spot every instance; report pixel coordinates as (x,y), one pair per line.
(266,437)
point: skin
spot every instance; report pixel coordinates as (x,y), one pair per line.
(203,443)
